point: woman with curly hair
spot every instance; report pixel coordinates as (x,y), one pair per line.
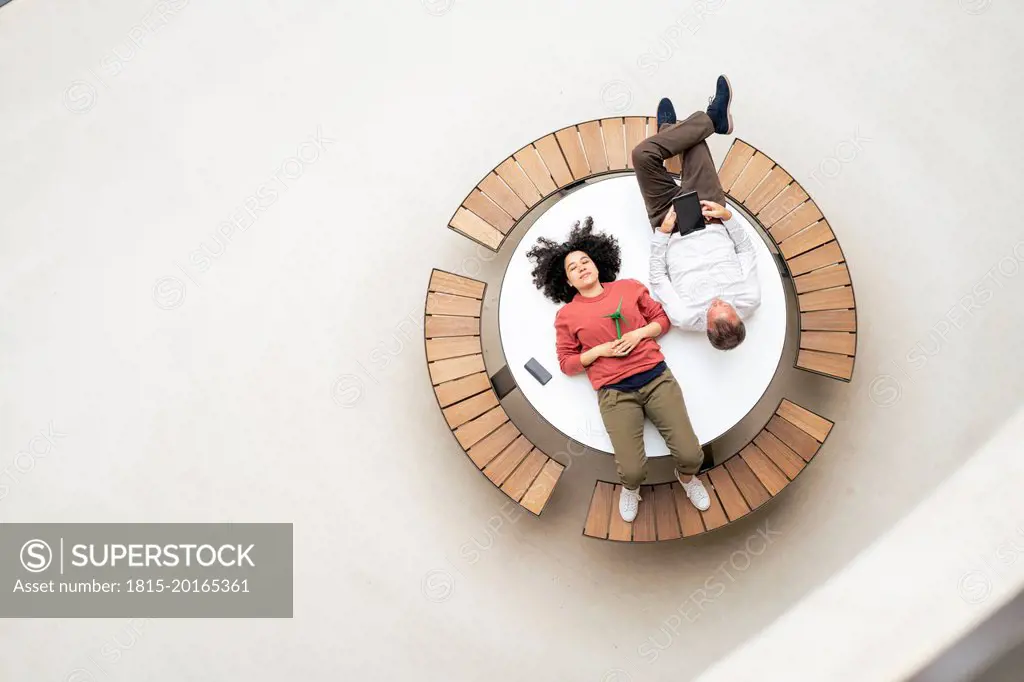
(607,328)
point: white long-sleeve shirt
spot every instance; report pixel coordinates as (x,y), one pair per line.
(687,272)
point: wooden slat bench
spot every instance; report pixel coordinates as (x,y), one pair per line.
(467,399)
(548,165)
(757,473)
(811,252)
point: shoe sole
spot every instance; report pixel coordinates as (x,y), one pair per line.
(661,125)
(728,107)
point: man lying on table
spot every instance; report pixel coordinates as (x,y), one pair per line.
(706,279)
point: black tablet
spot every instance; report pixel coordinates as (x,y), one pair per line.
(688,213)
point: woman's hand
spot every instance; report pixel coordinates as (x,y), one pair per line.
(628,342)
(606,349)
(669,222)
(602,350)
(712,210)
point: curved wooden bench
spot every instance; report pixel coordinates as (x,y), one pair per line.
(813,257)
(467,399)
(741,484)
(548,165)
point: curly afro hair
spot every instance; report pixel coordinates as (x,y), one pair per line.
(549,258)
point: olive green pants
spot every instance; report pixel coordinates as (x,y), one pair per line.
(661,401)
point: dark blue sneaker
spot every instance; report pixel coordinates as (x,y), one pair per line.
(718,107)
(666,113)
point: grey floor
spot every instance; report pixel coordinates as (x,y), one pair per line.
(992,652)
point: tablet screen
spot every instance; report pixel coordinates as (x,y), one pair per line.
(688,213)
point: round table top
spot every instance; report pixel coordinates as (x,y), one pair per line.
(719,388)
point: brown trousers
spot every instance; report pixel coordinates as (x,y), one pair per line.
(661,401)
(657,185)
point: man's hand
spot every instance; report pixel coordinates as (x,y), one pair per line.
(669,223)
(712,210)
(628,342)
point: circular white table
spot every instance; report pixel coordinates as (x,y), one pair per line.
(720,388)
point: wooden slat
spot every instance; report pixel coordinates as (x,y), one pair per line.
(529,158)
(452,347)
(600,511)
(496,442)
(778,452)
(614,132)
(739,154)
(499,468)
(829,342)
(481,205)
(516,178)
(689,517)
(750,485)
(501,194)
(732,500)
(644,526)
(447,283)
(593,145)
(751,489)
(636,132)
(435,326)
(666,519)
(540,491)
(805,214)
(823,278)
(572,150)
(818,258)
(470,408)
(451,392)
(814,236)
(674,164)
(553,159)
(475,227)
(799,442)
(830,321)
(808,421)
(754,172)
(767,190)
(714,516)
(447,304)
(473,432)
(455,368)
(767,473)
(838,298)
(521,479)
(787,200)
(832,364)
(617,528)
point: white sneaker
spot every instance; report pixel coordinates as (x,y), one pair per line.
(696,492)
(629,503)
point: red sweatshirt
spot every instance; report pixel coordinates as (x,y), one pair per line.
(580,325)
